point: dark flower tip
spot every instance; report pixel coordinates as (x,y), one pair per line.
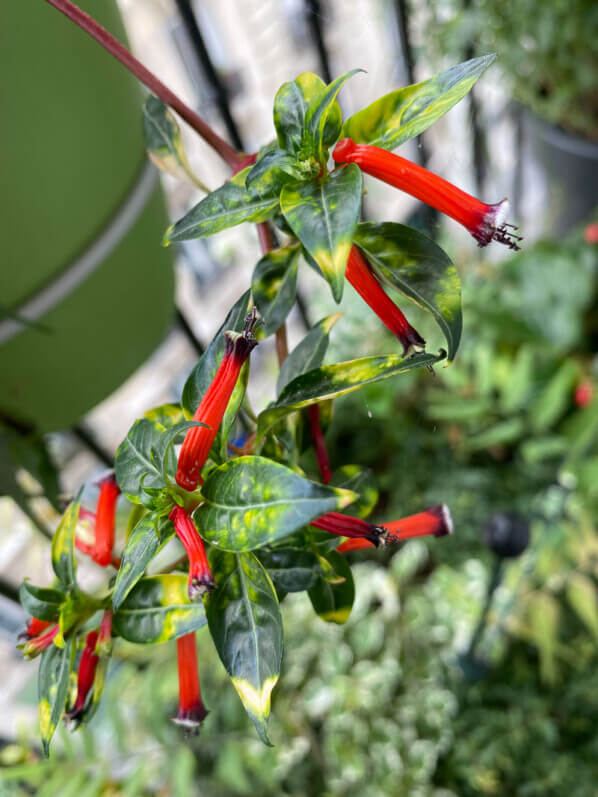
(241,344)
(198,587)
(191,720)
(493,228)
(412,342)
(443,513)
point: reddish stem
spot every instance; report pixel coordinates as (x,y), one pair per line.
(115,48)
(317,436)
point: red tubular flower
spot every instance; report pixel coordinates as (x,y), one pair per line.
(200,575)
(198,440)
(192,711)
(346,526)
(317,436)
(105,520)
(584,393)
(367,286)
(484,222)
(85,677)
(36,645)
(435,521)
(34,627)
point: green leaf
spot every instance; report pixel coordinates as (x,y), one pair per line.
(227,206)
(361,481)
(166,415)
(395,118)
(135,465)
(290,107)
(202,375)
(158,609)
(317,115)
(582,596)
(323,215)
(411,262)
(308,354)
(332,599)
(331,381)
(150,534)
(291,569)
(164,143)
(252,501)
(52,687)
(274,286)
(63,545)
(555,398)
(276,167)
(41,602)
(163,453)
(246,626)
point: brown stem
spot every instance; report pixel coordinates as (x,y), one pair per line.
(267,243)
(115,48)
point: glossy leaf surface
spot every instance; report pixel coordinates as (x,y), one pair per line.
(227,206)
(252,501)
(323,215)
(63,545)
(147,538)
(274,286)
(333,593)
(41,602)
(361,481)
(412,263)
(291,569)
(331,381)
(395,118)
(246,626)
(158,609)
(317,115)
(290,108)
(274,166)
(52,688)
(135,465)
(307,354)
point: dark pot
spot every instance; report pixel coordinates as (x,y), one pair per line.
(570,168)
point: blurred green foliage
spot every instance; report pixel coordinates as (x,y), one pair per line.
(383,705)
(549,51)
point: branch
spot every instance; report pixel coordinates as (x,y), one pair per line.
(115,48)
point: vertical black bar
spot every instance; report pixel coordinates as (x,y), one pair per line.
(189,333)
(407,53)
(90,442)
(314,20)
(478,137)
(220,94)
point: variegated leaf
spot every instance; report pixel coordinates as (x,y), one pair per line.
(246,626)
(307,354)
(317,115)
(274,286)
(158,609)
(164,143)
(331,381)
(63,545)
(323,214)
(52,688)
(395,118)
(333,593)
(253,501)
(412,263)
(227,206)
(290,108)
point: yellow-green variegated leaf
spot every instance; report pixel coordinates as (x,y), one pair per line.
(166,414)
(323,215)
(251,501)
(148,537)
(308,353)
(395,118)
(202,375)
(52,688)
(164,143)
(274,166)
(331,381)
(274,286)
(412,263)
(63,545)
(333,593)
(317,116)
(135,466)
(227,206)
(246,626)
(361,481)
(158,609)
(290,108)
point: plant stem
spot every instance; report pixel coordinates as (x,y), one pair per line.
(115,48)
